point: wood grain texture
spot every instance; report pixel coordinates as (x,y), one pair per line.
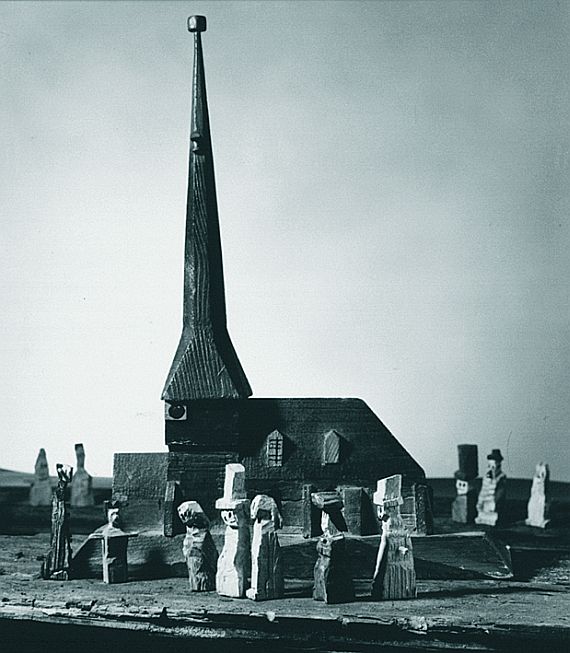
(205,364)
(371,450)
(198,549)
(172,499)
(368,452)
(234,563)
(332,579)
(115,565)
(475,616)
(454,556)
(57,563)
(266,564)
(311,515)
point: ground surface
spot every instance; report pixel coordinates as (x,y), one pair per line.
(457,615)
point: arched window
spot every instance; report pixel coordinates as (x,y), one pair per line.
(274,449)
(331,448)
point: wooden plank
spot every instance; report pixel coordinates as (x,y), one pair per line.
(281,629)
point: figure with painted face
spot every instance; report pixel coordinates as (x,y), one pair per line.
(266,567)
(234,563)
(463,508)
(394,575)
(198,548)
(491,500)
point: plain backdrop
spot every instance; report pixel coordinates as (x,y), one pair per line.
(393,190)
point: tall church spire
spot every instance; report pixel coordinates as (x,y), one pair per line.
(205,365)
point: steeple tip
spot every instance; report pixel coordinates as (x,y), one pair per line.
(197,24)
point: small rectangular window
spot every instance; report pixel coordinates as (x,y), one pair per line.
(274,449)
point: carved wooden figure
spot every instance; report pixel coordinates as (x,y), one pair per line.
(333,582)
(491,500)
(234,563)
(41,490)
(114,547)
(266,568)
(199,549)
(82,483)
(463,508)
(394,575)
(538,504)
(57,562)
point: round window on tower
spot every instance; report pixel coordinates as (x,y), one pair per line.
(176,411)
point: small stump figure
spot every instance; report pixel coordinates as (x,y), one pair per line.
(199,549)
(491,500)
(266,567)
(41,490)
(463,508)
(394,575)
(82,483)
(114,543)
(333,582)
(57,563)
(538,504)
(234,563)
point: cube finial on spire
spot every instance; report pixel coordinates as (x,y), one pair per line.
(205,364)
(197,24)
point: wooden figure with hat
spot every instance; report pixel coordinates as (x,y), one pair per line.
(463,508)
(491,500)
(114,543)
(234,563)
(333,582)
(394,575)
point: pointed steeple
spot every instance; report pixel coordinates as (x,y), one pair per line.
(205,365)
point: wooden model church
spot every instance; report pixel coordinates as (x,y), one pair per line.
(289,447)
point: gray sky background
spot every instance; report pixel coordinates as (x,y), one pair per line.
(393,187)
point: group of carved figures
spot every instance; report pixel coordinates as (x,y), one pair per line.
(57,564)
(488,506)
(242,556)
(258,557)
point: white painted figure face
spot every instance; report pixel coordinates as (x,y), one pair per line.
(461,486)
(113,517)
(229,518)
(493,468)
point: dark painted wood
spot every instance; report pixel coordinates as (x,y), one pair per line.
(57,563)
(172,499)
(468,461)
(205,364)
(227,427)
(311,514)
